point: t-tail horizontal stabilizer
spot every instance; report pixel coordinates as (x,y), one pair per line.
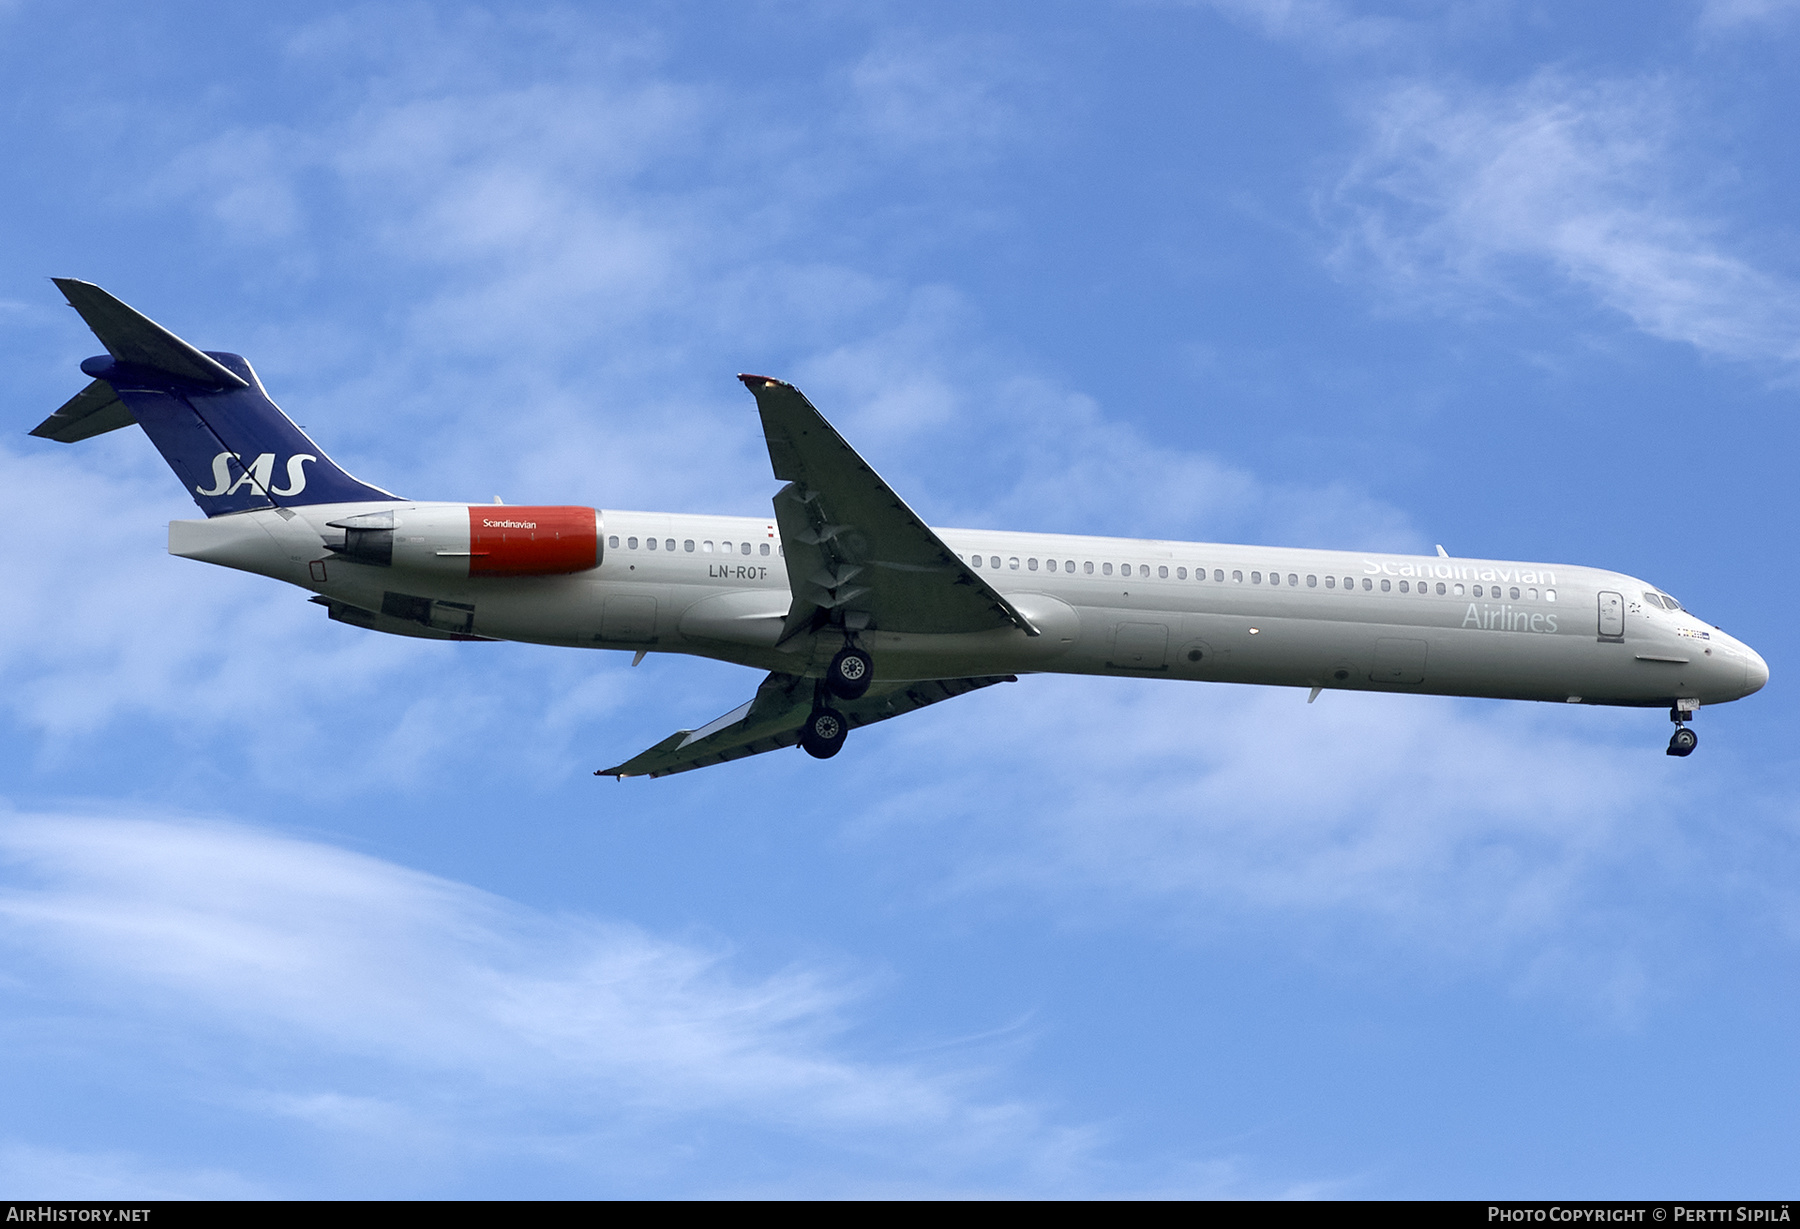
(136,340)
(206,412)
(94,410)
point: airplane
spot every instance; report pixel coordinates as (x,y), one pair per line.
(857,609)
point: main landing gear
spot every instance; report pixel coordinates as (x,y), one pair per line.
(1683,741)
(847,678)
(850,673)
(823,734)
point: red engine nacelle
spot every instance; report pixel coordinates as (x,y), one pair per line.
(513,541)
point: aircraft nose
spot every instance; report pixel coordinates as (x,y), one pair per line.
(1756,671)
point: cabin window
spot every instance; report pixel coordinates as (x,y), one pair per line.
(1106,569)
(1368,584)
(1403,587)
(1441,589)
(726,547)
(1312,582)
(706,547)
(1163,572)
(1256,578)
(1386,586)
(1013,563)
(1237,577)
(631,542)
(1457,589)
(1180,573)
(1069,566)
(763,549)
(975,559)
(993,561)
(1031,565)
(1088,567)
(688,546)
(613,541)
(1293,579)
(1331,582)
(1124,569)
(1477,590)
(1549,595)
(1274,578)
(1531,594)
(1050,565)
(1513,593)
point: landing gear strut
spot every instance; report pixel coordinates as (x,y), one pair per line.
(823,734)
(850,673)
(1683,741)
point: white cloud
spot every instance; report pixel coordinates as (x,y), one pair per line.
(1462,193)
(434,1013)
(30,1172)
(1322,25)
(1542,846)
(1739,14)
(973,441)
(944,98)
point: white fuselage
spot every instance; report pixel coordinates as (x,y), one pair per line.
(1368,621)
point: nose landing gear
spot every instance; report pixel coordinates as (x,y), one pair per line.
(1683,741)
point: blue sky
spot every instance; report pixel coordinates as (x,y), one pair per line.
(291,909)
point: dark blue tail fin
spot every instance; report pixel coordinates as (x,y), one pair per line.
(206,412)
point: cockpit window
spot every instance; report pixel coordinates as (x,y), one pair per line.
(1670,602)
(1655,599)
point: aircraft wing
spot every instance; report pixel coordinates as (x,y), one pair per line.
(773,718)
(852,545)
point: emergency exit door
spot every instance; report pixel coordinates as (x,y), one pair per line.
(1612,617)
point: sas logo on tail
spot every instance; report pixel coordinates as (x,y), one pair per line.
(256,476)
